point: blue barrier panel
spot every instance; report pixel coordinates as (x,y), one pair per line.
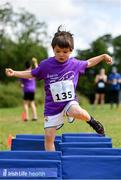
(91,151)
(38,155)
(34,136)
(45,179)
(30,144)
(85,145)
(85,139)
(30,169)
(82,134)
(91,167)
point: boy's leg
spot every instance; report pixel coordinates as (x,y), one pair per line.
(79,113)
(51,124)
(50,134)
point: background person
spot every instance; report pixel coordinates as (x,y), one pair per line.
(60,74)
(100,87)
(29,88)
(114,82)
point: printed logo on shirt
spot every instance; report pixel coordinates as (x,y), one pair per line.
(68,75)
(52,77)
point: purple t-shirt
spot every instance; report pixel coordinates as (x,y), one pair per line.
(29,85)
(52,71)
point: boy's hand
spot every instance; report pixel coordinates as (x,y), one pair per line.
(108,59)
(9,72)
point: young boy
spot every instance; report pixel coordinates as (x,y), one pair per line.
(60,74)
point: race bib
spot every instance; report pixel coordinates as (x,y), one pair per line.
(62,91)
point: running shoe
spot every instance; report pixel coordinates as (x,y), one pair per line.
(97,126)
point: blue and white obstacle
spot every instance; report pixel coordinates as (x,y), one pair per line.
(78,156)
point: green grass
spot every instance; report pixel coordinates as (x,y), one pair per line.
(11,123)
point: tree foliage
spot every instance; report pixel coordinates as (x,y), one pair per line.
(22,37)
(104,44)
(117,51)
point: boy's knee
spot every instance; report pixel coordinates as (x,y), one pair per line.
(49,138)
(83,115)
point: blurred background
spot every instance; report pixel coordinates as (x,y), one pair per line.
(27,27)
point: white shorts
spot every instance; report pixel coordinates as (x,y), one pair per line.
(58,119)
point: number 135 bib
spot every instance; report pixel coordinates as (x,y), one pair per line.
(62,91)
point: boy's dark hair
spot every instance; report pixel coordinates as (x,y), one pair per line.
(63,39)
(28,64)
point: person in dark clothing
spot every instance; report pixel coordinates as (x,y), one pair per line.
(114,81)
(100,89)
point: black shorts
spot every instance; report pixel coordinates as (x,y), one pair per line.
(100,90)
(114,96)
(29,96)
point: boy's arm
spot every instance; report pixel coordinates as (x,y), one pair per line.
(20,74)
(95,60)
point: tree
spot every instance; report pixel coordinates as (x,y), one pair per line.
(117,52)
(99,46)
(22,36)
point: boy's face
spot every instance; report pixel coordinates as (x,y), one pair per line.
(61,54)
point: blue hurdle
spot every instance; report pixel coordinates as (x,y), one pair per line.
(82,134)
(91,167)
(37,155)
(78,156)
(35,136)
(30,169)
(31,144)
(85,145)
(85,139)
(91,151)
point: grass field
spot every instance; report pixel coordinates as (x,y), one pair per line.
(11,123)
